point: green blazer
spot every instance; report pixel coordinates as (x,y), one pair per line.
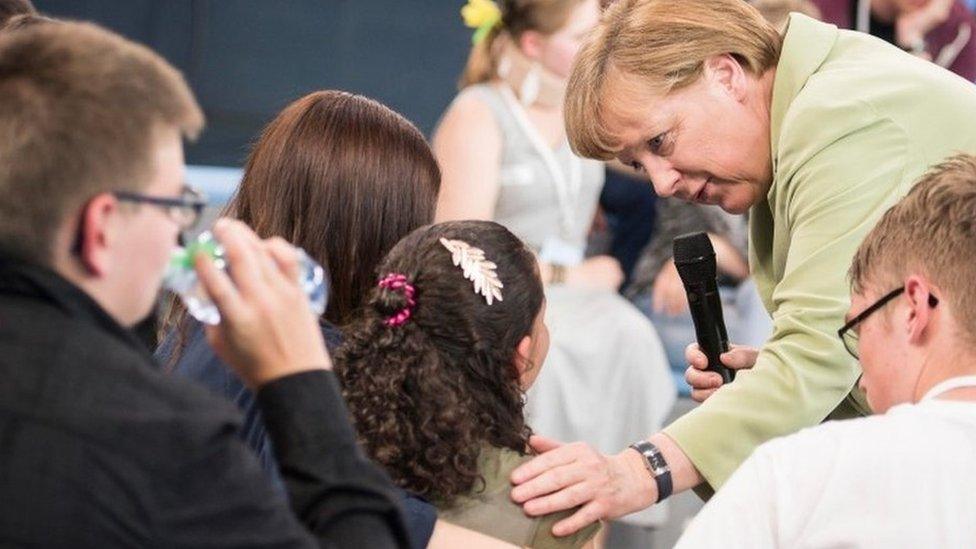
(854,122)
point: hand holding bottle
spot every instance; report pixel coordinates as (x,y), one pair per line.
(267,330)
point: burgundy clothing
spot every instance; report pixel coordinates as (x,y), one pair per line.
(843,12)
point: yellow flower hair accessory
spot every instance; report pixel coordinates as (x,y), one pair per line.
(482,15)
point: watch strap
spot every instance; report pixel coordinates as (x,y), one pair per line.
(657,466)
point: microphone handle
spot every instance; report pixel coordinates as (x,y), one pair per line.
(706,312)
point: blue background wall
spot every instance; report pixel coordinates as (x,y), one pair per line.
(246,59)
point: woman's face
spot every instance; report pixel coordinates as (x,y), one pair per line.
(706,143)
(558,50)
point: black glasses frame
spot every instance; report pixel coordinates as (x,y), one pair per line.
(845,331)
(192,199)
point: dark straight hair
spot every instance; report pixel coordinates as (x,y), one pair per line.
(344,178)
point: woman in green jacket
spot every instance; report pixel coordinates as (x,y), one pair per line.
(815,132)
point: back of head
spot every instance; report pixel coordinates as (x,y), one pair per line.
(25,20)
(931,231)
(428,393)
(80,113)
(13,8)
(517,17)
(345,178)
(663,45)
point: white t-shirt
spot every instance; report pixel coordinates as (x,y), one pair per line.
(903,479)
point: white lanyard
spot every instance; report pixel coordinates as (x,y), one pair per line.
(568,186)
(949,385)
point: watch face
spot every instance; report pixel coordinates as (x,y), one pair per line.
(658,463)
(655,461)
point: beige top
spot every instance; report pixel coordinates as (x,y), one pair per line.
(491,511)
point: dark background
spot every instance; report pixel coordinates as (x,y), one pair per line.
(247,59)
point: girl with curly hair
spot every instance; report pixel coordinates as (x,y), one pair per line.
(435,373)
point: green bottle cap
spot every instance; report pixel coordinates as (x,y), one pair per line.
(183,258)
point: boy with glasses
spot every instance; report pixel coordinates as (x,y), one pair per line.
(906,477)
(98,448)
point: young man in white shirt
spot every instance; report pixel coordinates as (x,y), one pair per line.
(905,477)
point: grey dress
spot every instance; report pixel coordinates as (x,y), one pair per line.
(606,379)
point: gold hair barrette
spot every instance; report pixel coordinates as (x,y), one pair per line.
(476,268)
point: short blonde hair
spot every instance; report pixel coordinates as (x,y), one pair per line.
(932,231)
(664,45)
(81,113)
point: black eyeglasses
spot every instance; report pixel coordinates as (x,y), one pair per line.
(185,210)
(850,337)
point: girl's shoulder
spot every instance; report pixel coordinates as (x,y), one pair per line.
(490,509)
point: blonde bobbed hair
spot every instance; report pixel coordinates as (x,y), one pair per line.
(662,45)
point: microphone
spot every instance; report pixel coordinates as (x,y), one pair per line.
(695,259)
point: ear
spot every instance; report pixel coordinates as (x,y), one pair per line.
(531,43)
(918,291)
(96,232)
(521,359)
(725,73)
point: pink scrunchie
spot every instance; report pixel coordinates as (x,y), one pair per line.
(395,282)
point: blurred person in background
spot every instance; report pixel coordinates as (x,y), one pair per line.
(629,208)
(938,30)
(503,151)
(778,12)
(903,478)
(815,133)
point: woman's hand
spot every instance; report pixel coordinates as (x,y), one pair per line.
(267,329)
(600,271)
(668,293)
(912,26)
(704,383)
(570,475)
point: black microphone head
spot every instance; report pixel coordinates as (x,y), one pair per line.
(695,258)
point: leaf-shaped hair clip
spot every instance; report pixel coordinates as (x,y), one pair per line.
(476,268)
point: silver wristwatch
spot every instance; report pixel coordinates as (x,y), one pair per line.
(657,466)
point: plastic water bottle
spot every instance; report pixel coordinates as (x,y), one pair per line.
(181,279)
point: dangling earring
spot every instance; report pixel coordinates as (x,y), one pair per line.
(531,84)
(504,67)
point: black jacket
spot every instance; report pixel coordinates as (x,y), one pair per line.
(98,448)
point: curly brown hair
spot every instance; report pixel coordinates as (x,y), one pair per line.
(428,395)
